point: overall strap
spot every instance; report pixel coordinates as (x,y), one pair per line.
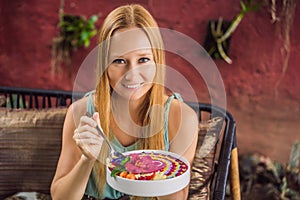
(167,109)
(90,105)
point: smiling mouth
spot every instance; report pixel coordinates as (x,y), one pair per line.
(132,86)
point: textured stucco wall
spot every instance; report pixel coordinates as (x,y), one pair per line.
(267,123)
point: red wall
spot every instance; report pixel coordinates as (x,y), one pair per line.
(267,123)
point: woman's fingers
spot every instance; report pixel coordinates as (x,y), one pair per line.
(86,135)
(87,138)
(85,120)
(89,143)
(96,118)
(90,151)
(87,128)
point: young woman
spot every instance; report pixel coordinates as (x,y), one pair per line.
(130,103)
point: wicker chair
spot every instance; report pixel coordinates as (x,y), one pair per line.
(225,162)
(226,159)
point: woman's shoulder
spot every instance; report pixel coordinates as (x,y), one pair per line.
(180,108)
(78,108)
(182,118)
(80,104)
(180,112)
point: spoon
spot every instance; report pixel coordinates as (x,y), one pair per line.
(113,152)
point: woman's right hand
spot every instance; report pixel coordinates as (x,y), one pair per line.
(87,137)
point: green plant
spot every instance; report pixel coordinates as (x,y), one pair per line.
(262,178)
(14,100)
(75,32)
(221,37)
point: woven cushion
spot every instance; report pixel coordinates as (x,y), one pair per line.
(30,143)
(28,196)
(203,164)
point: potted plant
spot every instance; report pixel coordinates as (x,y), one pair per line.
(75,31)
(219,32)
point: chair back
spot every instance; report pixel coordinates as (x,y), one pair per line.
(226,143)
(36,98)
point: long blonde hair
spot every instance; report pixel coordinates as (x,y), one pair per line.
(120,18)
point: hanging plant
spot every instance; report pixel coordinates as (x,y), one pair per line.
(219,32)
(284,17)
(75,31)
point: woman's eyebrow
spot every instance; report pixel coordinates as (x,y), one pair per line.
(138,53)
(147,52)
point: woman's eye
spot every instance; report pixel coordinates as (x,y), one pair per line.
(119,61)
(143,60)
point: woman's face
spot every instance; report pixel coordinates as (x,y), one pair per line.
(131,68)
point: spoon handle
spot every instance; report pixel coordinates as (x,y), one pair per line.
(100,131)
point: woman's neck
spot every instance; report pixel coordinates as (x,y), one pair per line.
(127,108)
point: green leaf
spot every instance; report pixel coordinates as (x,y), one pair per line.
(84,35)
(126,160)
(94,18)
(118,169)
(244,7)
(86,43)
(294,156)
(121,167)
(92,33)
(70,28)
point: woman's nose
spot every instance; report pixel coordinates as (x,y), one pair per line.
(131,72)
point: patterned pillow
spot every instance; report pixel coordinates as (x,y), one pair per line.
(202,168)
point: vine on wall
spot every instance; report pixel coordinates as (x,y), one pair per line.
(75,31)
(282,13)
(221,31)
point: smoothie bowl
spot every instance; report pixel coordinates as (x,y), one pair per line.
(148,173)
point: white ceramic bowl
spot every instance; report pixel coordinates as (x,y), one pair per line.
(150,188)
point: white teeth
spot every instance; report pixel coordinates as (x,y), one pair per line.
(133,86)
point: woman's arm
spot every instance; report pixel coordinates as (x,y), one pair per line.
(74,165)
(183,137)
